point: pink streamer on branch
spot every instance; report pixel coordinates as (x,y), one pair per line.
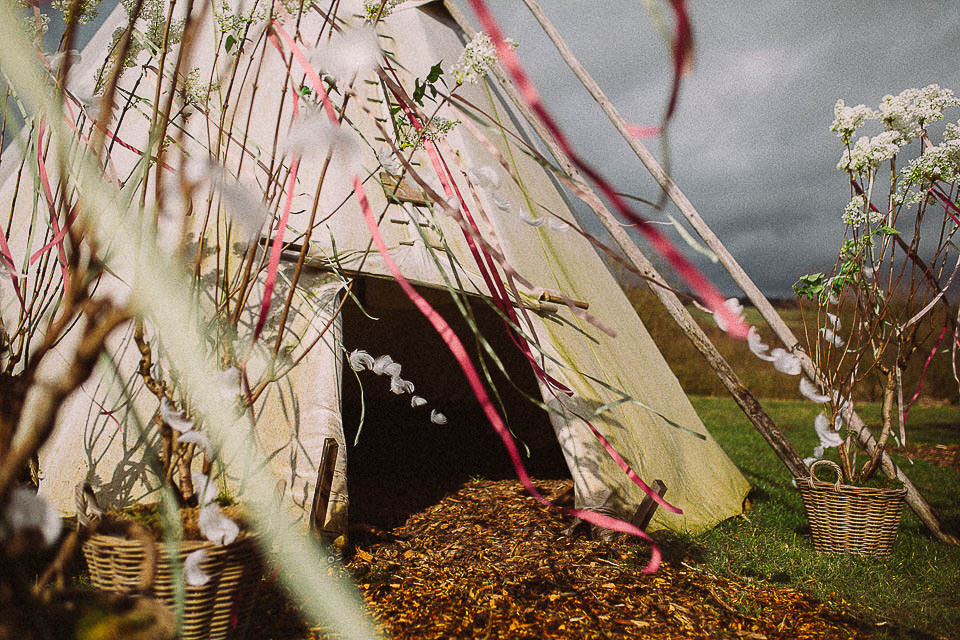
(697,281)
(48,192)
(459,352)
(923,373)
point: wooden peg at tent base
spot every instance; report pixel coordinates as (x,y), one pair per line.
(321,496)
(643,514)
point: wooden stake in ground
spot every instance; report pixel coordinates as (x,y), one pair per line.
(916,501)
(321,495)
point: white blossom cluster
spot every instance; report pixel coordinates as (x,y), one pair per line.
(846,120)
(940,162)
(374,10)
(477,59)
(437,127)
(912,110)
(856,213)
(869,153)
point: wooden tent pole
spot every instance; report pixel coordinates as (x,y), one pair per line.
(748,403)
(916,501)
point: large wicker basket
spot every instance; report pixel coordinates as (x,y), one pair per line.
(217,610)
(847,519)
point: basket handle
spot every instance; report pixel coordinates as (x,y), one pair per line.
(832,465)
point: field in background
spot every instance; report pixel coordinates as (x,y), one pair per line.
(760,377)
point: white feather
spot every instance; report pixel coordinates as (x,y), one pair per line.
(215,526)
(786,362)
(827,434)
(757,345)
(400,386)
(192,572)
(174,418)
(360,360)
(437,418)
(417,401)
(810,392)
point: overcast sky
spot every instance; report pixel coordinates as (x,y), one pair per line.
(750,142)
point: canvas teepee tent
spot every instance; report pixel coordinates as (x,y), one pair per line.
(621,385)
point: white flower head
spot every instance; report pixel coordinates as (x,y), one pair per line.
(360,360)
(26,511)
(374,10)
(437,418)
(477,59)
(192,572)
(348,54)
(215,526)
(173,417)
(313,135)
(857,212)
(869,153)
(827,434)
(907,114)
(846,120)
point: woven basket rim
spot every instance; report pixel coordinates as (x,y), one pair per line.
(184,545)
(803,482)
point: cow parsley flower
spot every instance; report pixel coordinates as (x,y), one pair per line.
(869,153)
(374,10)
(846,120)
(856,213)
(476,60)
(908,113)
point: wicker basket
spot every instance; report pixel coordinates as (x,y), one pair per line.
(846,519)
(216,610)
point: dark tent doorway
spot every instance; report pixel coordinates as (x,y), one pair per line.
(402,462)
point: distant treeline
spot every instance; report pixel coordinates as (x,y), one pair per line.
(764,381)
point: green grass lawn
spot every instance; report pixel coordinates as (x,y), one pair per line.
(914,593)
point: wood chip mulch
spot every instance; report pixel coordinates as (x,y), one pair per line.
(941,455)
(490,562)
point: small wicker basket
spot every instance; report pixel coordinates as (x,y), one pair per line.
(217,610)
(847,519)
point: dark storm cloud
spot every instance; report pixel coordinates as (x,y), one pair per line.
(750,143)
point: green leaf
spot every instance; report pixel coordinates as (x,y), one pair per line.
(304,90)
(890,231)
(229,42)
(435,72)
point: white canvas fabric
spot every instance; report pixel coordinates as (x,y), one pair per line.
(304,408)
